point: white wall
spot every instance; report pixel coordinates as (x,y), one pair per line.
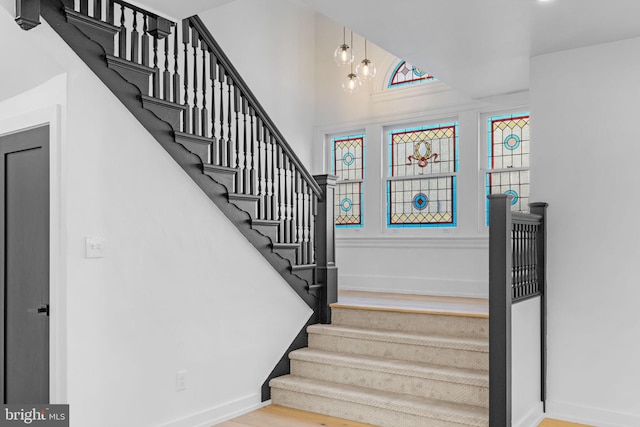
(173,292)
(445,261)
(272,45)
(525,363)
(585,106)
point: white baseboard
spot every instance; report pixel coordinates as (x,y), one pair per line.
(221,413)
(589,415)
(414,285)
(531,419)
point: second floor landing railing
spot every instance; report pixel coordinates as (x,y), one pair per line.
(517,272)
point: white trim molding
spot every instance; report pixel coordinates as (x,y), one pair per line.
(449,242)
(589,415)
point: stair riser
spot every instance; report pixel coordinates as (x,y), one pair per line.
(383,381)
(354,411)
(456,358)
(458,326)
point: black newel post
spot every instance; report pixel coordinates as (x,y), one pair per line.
(327,272)
(541,273)
(28,13)
(500,310)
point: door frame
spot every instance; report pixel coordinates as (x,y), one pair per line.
(10,124)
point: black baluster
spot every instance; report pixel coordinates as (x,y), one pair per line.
(110,12)
(166,74)
(313,212)
(97,9)
(205,112)
(134,38)
(122,37)
(145,41)
(195,40)
(187,110)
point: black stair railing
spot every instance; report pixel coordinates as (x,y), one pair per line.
(517,272)
(179,65)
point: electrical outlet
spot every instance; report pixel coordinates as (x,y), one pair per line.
(181,380)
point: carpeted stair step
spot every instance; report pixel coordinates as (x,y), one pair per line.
(414,321)
(417,379)
(457,352)
(375,407)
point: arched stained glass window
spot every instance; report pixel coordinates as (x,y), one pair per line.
(406,74)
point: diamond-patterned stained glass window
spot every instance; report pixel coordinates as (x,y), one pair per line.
(406,74)
(421,187)
(508,158)
(349,166)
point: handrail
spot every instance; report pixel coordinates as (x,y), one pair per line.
(197,23)
(517,271)
(140,10)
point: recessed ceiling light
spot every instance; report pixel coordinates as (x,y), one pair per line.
(545,1)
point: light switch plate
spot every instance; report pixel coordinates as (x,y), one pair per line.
(94,247)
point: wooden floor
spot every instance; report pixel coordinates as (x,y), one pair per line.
(278,416)
(556,423)
(423,303)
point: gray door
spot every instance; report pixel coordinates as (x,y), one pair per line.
(24,266)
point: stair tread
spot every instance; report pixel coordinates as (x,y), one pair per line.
(285,245)
(404,403)
(154,100)
(302,267)
(394,366)
(208,166)
(242,196)
(189,136)
(461,343)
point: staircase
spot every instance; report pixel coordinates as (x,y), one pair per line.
(392,367)
(175,79)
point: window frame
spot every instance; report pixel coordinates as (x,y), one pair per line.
(487,169)
(387,177)
(360,181)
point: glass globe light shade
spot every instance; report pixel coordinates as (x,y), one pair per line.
(366,70)
(352,84)
(343,55)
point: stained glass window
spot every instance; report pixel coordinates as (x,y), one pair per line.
(406,74)
(421,188)
(508,161)
(349,166)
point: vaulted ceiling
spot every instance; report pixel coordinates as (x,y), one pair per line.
(480,47)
